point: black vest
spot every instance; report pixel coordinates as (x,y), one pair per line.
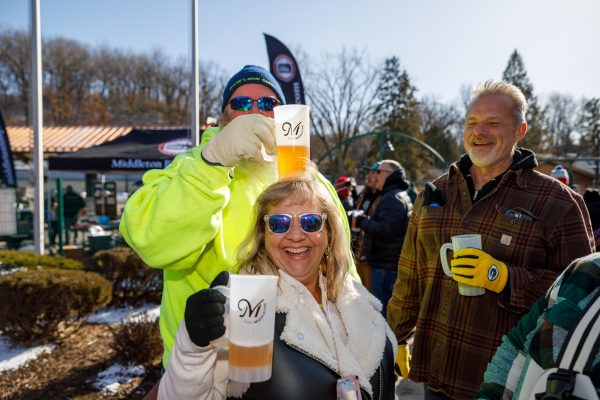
(298,376)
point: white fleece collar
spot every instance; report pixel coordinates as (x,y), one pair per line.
(356,310)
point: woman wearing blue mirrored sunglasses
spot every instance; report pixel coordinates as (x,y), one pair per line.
(204,199)
(309,222)
(329,331)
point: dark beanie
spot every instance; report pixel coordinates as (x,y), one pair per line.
(252,74)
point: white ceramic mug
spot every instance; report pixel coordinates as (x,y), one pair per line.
(292,136)
(461,242)
(250,322)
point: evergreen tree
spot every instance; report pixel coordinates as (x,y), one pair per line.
(516,74)
(398,111)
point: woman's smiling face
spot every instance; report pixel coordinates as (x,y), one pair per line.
(296,252)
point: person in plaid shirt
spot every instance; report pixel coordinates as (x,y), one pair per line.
(531,226)
(542,332)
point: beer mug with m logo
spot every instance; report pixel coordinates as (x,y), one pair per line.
(250,326)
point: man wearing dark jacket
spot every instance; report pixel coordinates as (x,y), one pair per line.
(384,230)
(72,203)
(365,205)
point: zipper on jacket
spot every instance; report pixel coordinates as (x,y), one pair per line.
(380,397)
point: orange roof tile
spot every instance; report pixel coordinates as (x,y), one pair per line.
(60,139)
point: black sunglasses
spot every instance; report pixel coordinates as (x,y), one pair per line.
(379,171)
(281,223)
(244,103)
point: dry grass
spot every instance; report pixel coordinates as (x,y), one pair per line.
(70,371)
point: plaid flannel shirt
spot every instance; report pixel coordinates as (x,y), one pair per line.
(455,336)
(541,333)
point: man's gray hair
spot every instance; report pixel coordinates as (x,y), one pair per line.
(394,165)
(502,88)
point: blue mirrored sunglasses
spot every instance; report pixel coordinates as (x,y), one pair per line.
(309,222)
(244,103)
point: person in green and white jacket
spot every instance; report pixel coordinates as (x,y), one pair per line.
(541,333)
(189,218)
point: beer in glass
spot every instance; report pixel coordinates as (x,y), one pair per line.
(292,130)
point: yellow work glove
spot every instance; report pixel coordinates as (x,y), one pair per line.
(249,136)
(477,268)
(402,366)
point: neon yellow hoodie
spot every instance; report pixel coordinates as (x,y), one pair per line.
(189,219)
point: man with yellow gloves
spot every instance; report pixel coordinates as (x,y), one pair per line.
(531,226)
(190,217)
(476,268)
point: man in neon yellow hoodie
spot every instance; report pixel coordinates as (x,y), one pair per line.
(189,218)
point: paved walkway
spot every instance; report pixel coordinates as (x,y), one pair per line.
(409,390)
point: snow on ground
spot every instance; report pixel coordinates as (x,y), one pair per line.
(111,315)
(11,271)
(109,380)
(13,356)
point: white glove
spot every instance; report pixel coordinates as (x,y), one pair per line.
(249,136)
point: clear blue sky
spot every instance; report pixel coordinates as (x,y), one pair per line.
(442,43)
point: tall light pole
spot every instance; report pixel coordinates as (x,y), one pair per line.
(194,129)
(37,123)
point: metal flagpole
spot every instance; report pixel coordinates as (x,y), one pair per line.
(37,123)
(194,129)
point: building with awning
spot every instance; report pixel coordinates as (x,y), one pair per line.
(82,155)
(63,139)
(138,150)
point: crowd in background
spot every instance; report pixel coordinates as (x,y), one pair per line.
(189,219)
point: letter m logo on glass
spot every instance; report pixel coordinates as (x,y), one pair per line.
(252,313)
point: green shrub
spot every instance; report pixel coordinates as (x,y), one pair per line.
(138,341)
(12,259)
(133,281)
(49,304)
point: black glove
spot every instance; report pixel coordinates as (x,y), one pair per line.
(204,313)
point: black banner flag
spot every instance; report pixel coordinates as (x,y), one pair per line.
(7,166)
(285,69)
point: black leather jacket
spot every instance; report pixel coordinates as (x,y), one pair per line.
(298,376)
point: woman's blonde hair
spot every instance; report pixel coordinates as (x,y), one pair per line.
(252,254)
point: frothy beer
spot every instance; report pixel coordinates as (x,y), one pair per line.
(250,364)
(292,160)
(251,329)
